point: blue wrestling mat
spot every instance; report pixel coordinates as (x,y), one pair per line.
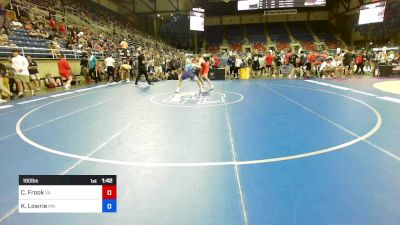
(275,152)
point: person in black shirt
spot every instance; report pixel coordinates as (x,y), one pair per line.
(277,64)
(142,68)
(294,60)
(33,72)
(303,64)
(347,60)
(85,68)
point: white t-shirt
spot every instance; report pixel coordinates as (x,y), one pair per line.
(20,65)
(109,61)
(238,62)
(261,61)
(16,24)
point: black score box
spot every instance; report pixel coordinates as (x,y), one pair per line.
(67,193)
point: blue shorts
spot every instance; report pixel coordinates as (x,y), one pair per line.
(187,75)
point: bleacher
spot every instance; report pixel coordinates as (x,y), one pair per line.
(234,34)
(214,35)
(256,33)
(36,47)
(323,31)
(22,39)
(300,32)
(279,35)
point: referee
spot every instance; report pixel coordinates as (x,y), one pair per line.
(142,67)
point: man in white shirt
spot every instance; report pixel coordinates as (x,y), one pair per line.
(20,65)
(110,67)
(238,64)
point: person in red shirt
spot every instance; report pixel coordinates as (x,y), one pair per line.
(288,55)
(268,62)
(53,24)
(62,29)
(205,68)
(216,61)
(65,72)
(360,63)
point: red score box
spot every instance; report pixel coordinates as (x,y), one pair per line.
(109,192)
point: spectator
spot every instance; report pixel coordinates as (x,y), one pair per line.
(3,13)
(3,72)
(62,29)
(52,23)
(11,80)
(238,65)
(15,24)
(110,67)
(216,61)
(65,71)
(92,66)
(3,39)
(43,34)
(268,63)
(347,59)
(55,48)
(125,71)
(34,73)
(85,68)
(34,34)
(20,65)
(360,63)
(100,70)
(50,82)
(28,26)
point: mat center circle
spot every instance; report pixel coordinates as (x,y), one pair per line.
(197,99)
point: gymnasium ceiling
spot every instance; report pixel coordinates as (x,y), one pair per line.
(212,7)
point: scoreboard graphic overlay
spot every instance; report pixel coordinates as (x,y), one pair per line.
(276,4)
(67,194)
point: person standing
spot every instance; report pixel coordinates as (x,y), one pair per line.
(347,59)
(360,63)
(232,67)
(11,80)
(205,68)
(3,72)
(255,65)
(238,65)
(277,65)
(268,63)
(224,64)
(34,73)
(85,68)
(189,73)
(303,64)
(21,73)
(64,70)
(216,61)
(92,67)
(110,67)
(296,67)
(142,67)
